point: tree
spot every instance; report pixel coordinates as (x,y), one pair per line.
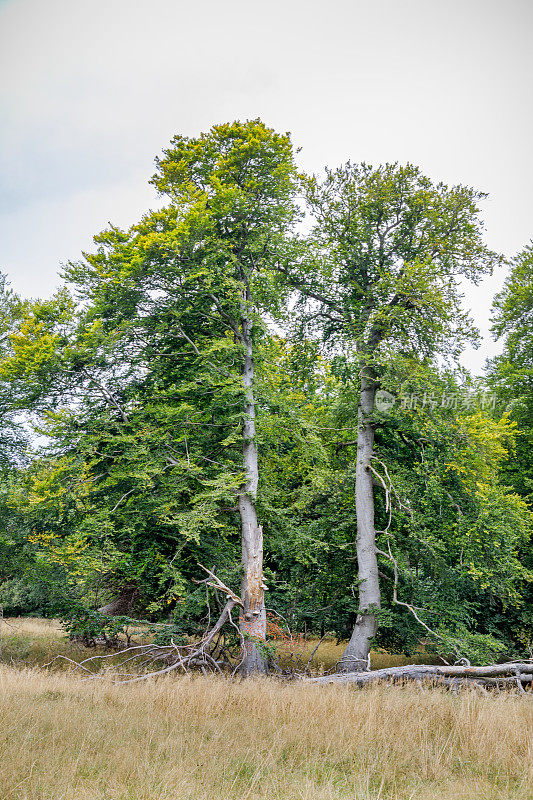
(168,334)
(379,278)
(511,373)
(511,376)
(177,425)
(234,186)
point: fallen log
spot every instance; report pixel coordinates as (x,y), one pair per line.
(510,673)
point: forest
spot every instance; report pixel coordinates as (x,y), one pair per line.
(244,420)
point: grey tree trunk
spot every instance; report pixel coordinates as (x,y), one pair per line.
(355,656)
(253,616)
(123,603)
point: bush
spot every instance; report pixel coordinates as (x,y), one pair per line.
(20,598)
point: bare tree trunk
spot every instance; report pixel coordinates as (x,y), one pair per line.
(122,604)
(253,616)
(355,656)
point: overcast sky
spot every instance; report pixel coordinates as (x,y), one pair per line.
(91,91)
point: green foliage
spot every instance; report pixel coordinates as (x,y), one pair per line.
(478,648)
(382,266)
(132,377)
(89,625)
(511,373)
(22,597)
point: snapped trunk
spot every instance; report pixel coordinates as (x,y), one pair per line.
(253,615)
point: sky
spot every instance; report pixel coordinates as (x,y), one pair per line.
(91,92)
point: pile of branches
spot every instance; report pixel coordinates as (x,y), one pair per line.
(211,653)
(512,673)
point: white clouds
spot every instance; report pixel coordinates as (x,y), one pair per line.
(92,91)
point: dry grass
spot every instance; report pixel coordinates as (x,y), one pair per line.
(66,738)
(329,654)
(33,641)
(63,738)
(30,641)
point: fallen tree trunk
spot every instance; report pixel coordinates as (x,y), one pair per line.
(490,675)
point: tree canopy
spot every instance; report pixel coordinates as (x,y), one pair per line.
(223,386)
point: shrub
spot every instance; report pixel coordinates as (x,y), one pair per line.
(20,598)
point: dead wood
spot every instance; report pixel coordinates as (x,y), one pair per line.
(207,654)
(508,674)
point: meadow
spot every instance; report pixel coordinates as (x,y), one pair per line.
(35,641)
(66,737)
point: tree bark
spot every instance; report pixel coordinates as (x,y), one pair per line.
(252,619)
(355,656)
(507,674)
(122,604)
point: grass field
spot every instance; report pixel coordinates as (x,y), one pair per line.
(31,641)
(179,738)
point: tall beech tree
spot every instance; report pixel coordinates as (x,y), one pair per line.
(380,279)
(237,185)
(185,288)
